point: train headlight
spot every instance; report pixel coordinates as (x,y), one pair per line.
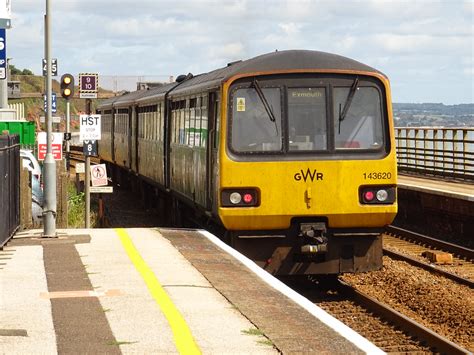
(235,198)
(382,195)
(238,197)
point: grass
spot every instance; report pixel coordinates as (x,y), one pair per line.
(252,331)
(259,333)
(266,342)
(77,207)
(118,343)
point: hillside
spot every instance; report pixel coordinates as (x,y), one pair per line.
(433,114)
(34,107)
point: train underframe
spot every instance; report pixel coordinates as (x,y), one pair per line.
(308,247)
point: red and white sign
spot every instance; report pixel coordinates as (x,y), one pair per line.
(99,175)
(56,145)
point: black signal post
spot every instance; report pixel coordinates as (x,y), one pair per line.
(67,91)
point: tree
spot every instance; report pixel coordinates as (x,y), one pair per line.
(15,71)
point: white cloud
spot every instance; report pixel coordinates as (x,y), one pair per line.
(430,40)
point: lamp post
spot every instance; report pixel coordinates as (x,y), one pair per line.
(49,165)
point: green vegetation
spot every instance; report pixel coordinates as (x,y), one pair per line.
(76,208)
(34,85)
(266,342)
(252,331)
(433,114)
(15,71)
(117,342)
(259,333)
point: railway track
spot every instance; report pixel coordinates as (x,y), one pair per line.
(76,155)
(388,329)
(408,246)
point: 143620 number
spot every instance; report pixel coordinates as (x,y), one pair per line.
(377,176)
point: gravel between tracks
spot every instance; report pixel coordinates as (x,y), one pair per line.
(434,301)
(455,268)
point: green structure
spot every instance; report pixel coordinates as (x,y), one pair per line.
(25,129)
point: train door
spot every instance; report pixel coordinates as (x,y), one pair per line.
(112,143)
(136,123)
(212,152)
(130,135)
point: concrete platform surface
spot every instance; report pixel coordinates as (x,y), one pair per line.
(152,291)
(459,190)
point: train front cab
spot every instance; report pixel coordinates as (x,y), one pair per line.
(308,170)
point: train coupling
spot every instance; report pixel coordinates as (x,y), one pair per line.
(315,233)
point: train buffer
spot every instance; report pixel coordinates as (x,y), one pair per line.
(152,291)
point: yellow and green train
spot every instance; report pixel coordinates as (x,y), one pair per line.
(292,153)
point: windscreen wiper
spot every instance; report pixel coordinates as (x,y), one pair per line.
(347,104)
(262,97)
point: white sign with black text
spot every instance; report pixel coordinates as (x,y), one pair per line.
(89,127)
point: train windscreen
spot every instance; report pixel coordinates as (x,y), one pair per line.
(292,116)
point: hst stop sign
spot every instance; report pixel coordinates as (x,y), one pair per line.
(89,127)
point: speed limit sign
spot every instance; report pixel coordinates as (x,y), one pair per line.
(90,148)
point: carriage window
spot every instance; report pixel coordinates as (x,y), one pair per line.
(307,119)
(361,127)
(253,129)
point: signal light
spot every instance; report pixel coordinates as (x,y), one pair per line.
(67,86)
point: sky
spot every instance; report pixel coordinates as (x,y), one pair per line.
(425,47)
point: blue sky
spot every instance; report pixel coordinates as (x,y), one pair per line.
(424,46)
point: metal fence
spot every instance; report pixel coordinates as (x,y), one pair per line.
(9,186)
(437,151)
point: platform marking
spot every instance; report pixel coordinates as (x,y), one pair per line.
(355,338)
(76,294)
(183,338)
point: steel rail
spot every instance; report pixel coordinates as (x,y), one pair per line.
(429,267)
(433,339)
(459,251)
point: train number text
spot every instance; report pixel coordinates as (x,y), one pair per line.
(377,175)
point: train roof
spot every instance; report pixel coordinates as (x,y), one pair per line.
(274,61)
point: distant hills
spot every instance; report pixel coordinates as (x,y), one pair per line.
(433,114)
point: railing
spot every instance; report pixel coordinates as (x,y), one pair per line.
(9,186)
(438,151)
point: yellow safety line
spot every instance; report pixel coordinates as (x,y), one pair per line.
(181,333)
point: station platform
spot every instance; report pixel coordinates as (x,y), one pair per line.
(153,291)
(457,190)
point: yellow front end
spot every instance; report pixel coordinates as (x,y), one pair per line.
(305,188)
(308,189)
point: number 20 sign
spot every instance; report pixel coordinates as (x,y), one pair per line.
(88,85)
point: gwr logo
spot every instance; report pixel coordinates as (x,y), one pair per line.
(308,175)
